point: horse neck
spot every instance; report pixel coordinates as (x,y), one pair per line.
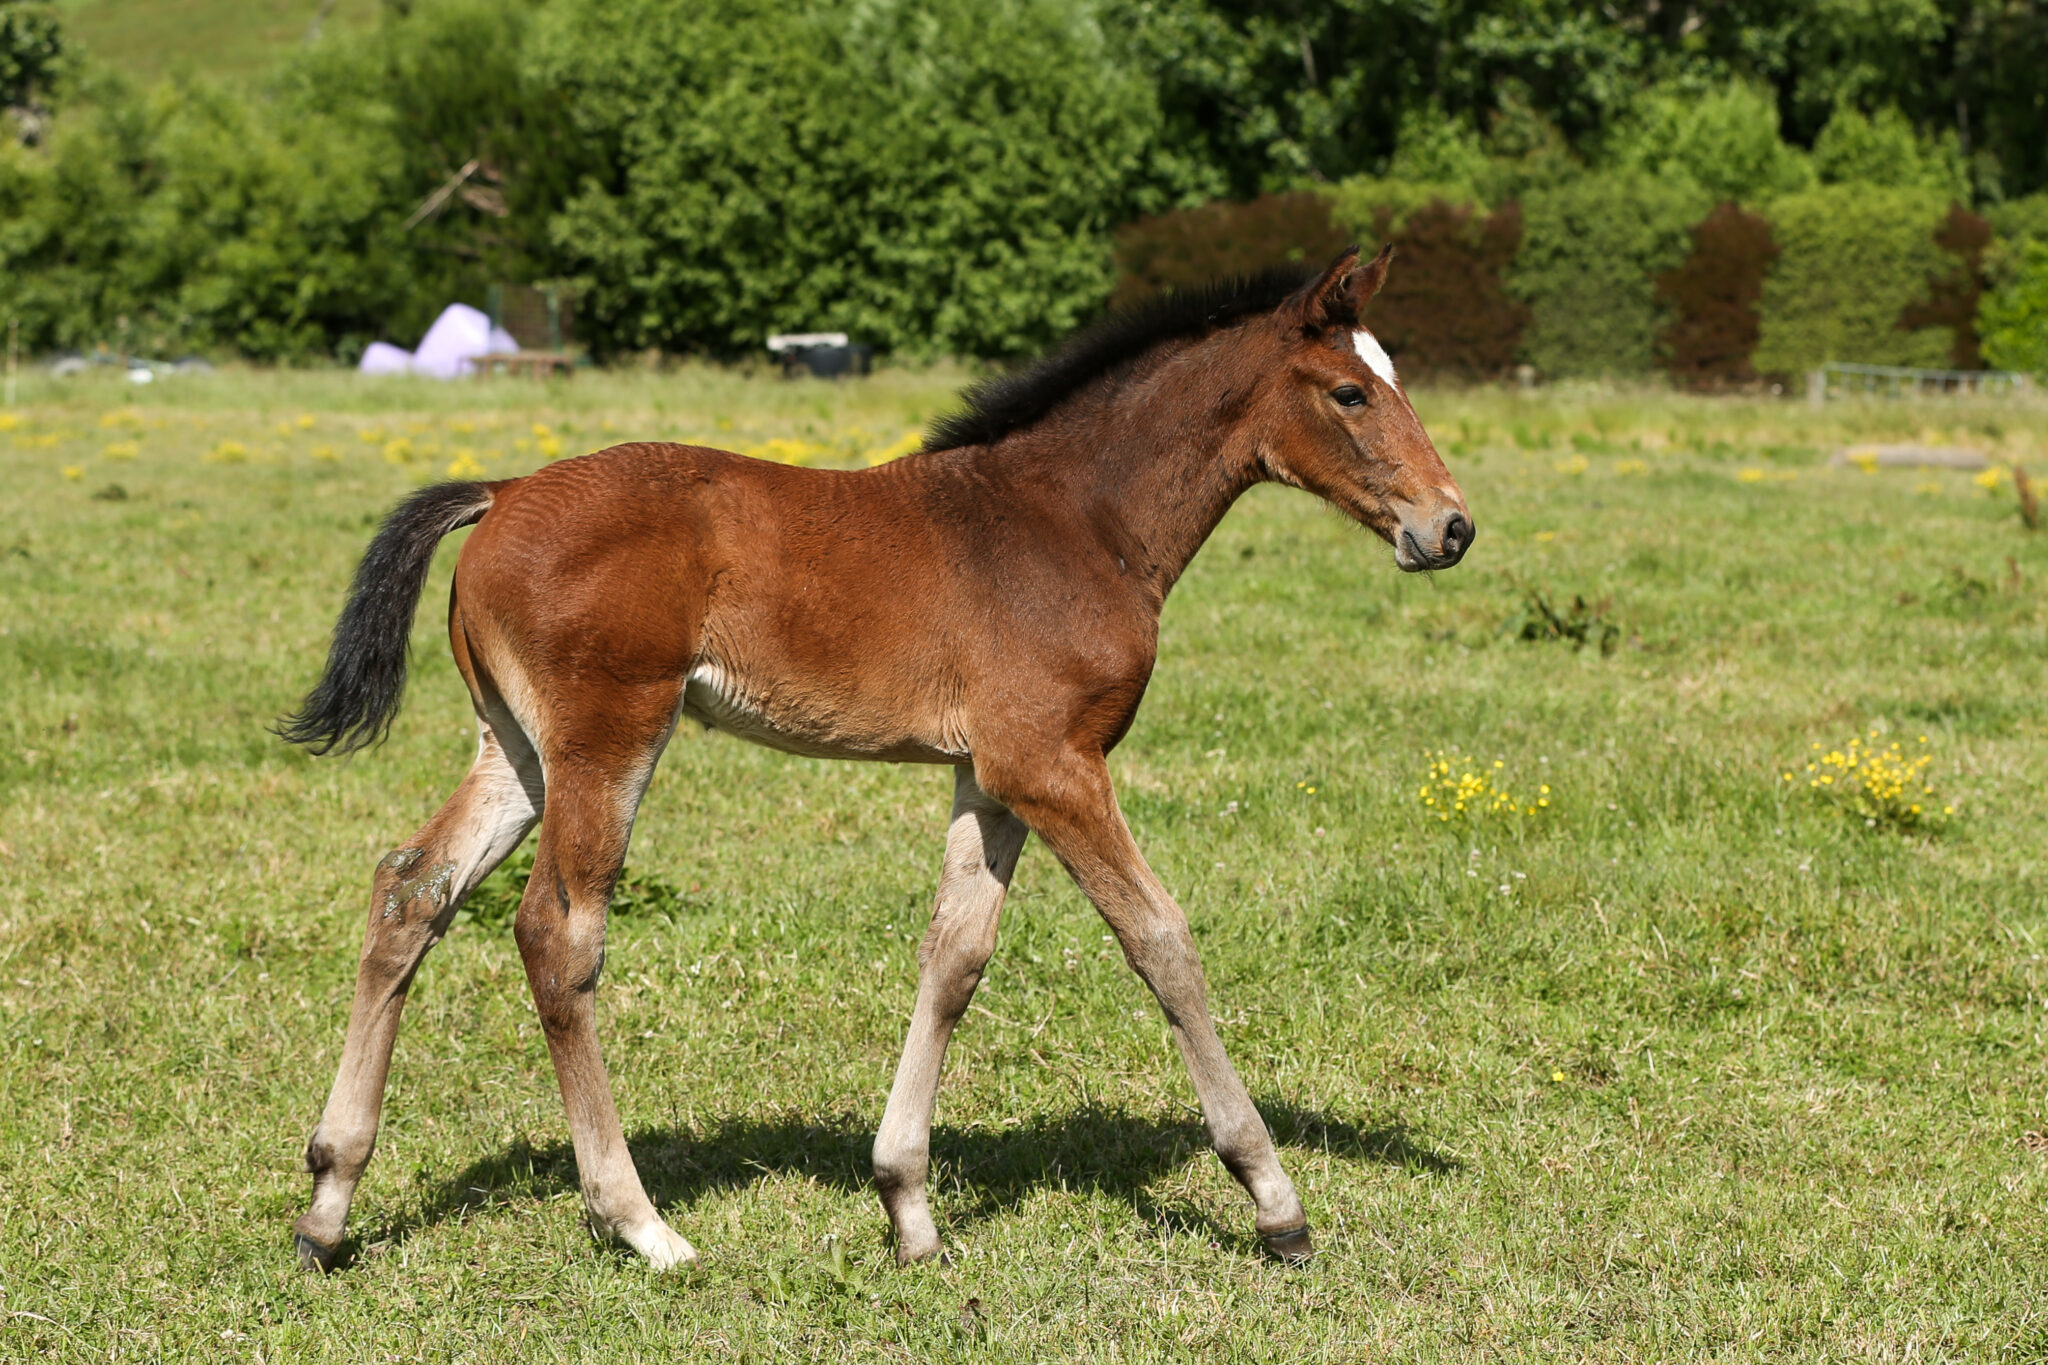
(1153,464)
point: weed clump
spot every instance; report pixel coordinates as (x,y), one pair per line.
(495,902)
(1885,787)
(1456,786)
(1581,622)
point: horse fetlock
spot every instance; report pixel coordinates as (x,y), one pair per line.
(910,1217)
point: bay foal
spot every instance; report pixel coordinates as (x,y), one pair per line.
(991,602)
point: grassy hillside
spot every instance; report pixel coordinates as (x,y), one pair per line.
(233,38)
(1690,1065)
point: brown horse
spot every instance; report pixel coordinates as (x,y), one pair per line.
(991,602)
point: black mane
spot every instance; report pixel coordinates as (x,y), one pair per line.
(1009,402)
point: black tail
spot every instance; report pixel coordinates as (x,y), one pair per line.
(352,706)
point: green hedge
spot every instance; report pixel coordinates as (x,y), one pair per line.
(1853,259)
(1592,249)
(2013,319)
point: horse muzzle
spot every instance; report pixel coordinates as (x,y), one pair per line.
(1435,544)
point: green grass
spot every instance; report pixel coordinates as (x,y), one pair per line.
(1689,1066)
(151,39)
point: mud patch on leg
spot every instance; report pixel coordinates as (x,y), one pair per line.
(405,891)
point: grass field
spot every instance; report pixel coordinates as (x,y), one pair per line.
(1689,1064)
(151,39)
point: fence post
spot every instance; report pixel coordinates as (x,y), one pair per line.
(1817,388)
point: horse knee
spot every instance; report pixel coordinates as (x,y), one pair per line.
(564,960)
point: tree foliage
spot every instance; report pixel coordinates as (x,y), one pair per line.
(934,177)
(32,52)
(949,176)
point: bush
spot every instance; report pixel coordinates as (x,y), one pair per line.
(1588,266)
(1853,259)
(2016,220)
(1714,296)
(2013,319)
(1444,312)
(1193,246)
(274,225)
(1952,293)
(940,177)
(195,220)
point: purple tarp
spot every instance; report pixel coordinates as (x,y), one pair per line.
(457,338)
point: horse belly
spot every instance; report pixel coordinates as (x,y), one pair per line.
(779,718)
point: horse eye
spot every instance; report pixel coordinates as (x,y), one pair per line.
(1350,396)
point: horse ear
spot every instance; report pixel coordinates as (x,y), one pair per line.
(1368,280)
(1336,299)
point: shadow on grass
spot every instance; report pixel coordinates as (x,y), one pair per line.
(977,1173)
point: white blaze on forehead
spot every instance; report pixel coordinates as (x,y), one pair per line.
(1374,355)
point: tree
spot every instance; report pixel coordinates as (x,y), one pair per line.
(937,177)
(32,54)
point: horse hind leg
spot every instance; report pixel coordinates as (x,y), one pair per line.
(595,781)
(414,895)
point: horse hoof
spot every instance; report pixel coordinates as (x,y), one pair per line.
(1291,1247)
(316,1256)
(935,1254)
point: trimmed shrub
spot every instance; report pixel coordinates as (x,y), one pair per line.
(1715,296)
(195,220)
(2013,319)
(1591,254)
(1193,246)
(1853,259)
(1445,312)
(1952,294)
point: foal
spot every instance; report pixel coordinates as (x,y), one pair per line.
(991,602)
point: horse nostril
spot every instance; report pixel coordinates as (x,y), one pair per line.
(1457,535)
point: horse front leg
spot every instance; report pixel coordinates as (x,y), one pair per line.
(1072,806)
(982,845)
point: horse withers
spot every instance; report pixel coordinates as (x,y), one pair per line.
(990,602)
